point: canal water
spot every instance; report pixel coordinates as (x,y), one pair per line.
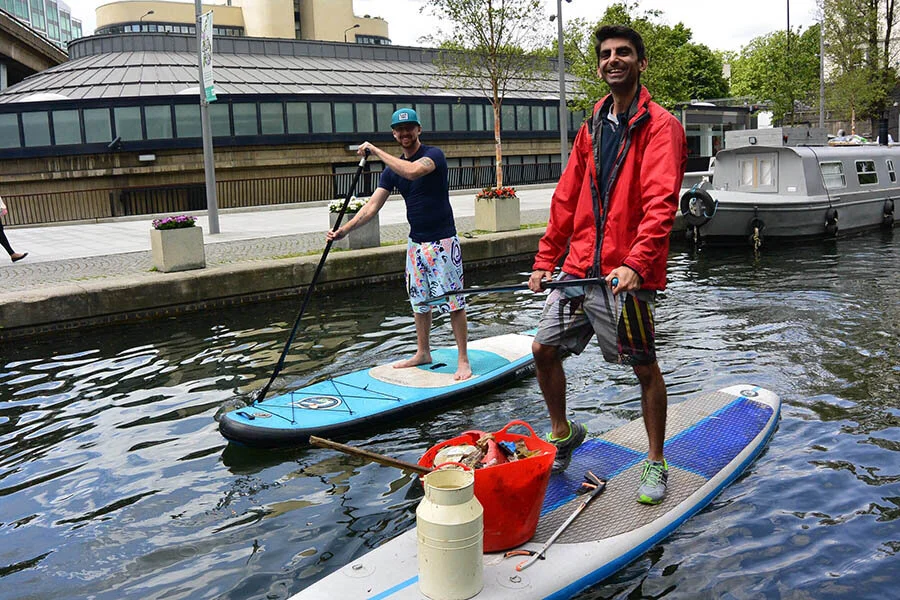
(115,483)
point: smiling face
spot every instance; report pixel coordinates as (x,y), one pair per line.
(619,65)
(407,135)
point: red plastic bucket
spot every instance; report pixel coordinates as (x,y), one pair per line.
(511,493)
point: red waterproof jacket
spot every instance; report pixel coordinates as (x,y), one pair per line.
(632,226)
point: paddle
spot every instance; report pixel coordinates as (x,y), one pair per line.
(547,285)
(379,458)
(312,284)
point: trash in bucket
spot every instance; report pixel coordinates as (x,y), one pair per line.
(511,492)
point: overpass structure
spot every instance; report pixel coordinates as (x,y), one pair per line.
(23,52)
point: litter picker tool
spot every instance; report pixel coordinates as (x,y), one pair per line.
(596,491)
(547,285)
(312,284)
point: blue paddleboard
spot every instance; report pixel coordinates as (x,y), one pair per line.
(364,397)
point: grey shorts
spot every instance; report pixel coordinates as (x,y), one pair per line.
(623,323)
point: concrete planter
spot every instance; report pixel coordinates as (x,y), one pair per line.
(367,236)
(177,249)
(497,214)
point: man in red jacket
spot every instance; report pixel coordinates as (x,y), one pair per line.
(613,211)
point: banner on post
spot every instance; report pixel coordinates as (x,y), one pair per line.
(206,53)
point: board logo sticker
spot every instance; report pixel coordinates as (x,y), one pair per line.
(318,402)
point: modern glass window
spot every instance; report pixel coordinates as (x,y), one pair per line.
(128,123)
(476,117)
(9,131)
(36,127)
(833,175)
(489,117)
(507,117)
(459,117)
(551,114)
(297,117)
(441,117)
(219,120)
(537,118)
(37,14)
(891,173)
(424,112)
(865,172)
(244,114)
(343,117)
(365,117)
(158,120)
(383,114)
(321,117)
(96,125)
(271,118)
(523,118)
(187,120)
(66,127)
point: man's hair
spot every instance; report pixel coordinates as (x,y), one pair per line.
(607,32)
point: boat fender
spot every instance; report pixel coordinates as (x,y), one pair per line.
(887,219)
(831,221)
(697,206)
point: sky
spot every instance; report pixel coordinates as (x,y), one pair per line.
(719,24)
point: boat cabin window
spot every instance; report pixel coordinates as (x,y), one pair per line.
(865,171)
(833,175)
(757,172)
(891,173)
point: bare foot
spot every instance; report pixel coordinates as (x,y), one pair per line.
(463,371)
(415,361)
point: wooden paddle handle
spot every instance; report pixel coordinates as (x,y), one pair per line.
(373,456)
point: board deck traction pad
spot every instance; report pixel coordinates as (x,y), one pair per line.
(703,435)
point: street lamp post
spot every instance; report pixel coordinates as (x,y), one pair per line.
(822,72)
(563,110)
(146,14)
(348,29)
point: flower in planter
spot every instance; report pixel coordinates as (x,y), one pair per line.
(496,192)
(355,205)
(176,222)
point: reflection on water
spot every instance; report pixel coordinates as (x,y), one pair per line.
(115,483)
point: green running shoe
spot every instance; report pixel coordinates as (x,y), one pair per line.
(653,482)
(566,446)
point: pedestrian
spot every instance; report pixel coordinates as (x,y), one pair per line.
(15,256)
(434,257)
(612,210)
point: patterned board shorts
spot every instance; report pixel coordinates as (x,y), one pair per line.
(433,269)
(623,323)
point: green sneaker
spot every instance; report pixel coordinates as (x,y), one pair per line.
(653,482)
(566,446)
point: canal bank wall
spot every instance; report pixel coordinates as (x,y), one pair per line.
(76,305)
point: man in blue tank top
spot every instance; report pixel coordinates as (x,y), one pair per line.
(433,257)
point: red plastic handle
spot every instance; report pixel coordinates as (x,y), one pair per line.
(455,464)
(523,424)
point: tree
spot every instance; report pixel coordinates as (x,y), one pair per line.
(860,55)
(766,71)
(678,71)
(488,42)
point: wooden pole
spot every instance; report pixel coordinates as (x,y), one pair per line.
(373,456)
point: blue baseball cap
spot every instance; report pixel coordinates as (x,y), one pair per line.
(404,116)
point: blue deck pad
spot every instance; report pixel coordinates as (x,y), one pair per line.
(705,448)
(604,459)
(481,361)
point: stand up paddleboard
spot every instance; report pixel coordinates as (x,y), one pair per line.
(711,440)
(363,397)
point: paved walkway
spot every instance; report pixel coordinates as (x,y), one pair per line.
(67,253)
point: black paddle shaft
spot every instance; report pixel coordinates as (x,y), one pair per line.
(547,285)
(312,284)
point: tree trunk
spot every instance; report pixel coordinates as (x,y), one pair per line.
(498,149)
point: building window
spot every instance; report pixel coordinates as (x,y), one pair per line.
(459,117)
(551,114)
(128,123)
(271,117)
(245,118)
(537,118)
(523,118)
(9,131)
(159,122)
(219,120)
(507,117)
(66,127)
(343,117)
(441,117)
(890,168)
(96,125)
(187,120)
(321,117)
(424,112)
(36,127)
(476,117)
(365,117)
(833,175)
(865,172)
(38,21)
(383,114)
(297,117)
